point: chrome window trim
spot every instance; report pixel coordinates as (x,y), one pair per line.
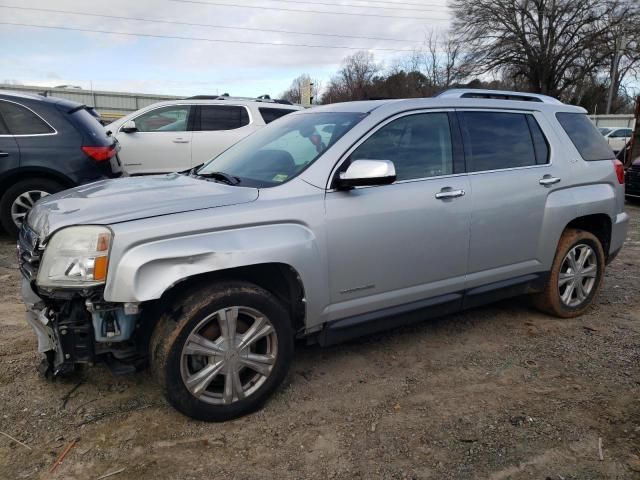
(372,132)
(194,104)
(55,132)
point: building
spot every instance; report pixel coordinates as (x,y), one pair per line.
(110,105)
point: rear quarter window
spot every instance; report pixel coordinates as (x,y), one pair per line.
(21,121)
(590,143)
(271,114)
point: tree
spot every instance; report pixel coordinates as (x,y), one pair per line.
(551,44)
(294,92)
(354,80)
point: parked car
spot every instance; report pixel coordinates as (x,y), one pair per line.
(330,223)
(47,144)
(177,135)
(617,137)
(632,180)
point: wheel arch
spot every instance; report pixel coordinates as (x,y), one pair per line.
(599,224)
(279,279)
(31,173)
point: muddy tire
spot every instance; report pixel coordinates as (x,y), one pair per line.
(575,277)
(222,350)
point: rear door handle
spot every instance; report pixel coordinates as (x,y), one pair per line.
(444,194)
(548,180)
(180,140)
(4,154)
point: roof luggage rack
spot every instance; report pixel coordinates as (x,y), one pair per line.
(261,98)
(498,95)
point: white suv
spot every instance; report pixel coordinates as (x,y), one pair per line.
(177,135)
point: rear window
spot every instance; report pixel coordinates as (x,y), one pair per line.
(222,117)
(271,114)
(585,136)
(22,121)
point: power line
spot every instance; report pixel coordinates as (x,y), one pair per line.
(351,5)
(282,9)
(399,3)
(208,25)
(212,40)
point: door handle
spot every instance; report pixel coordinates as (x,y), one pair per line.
(444,194)
(4,154)
(180,140)
(548,180)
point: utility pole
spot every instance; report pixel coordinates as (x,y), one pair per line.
(621,44)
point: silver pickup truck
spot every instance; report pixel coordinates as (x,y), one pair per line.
(327,224)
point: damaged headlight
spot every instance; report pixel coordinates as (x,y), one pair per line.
(76,257)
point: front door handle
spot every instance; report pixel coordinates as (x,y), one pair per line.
(548,180)
(180,140)
(444,194)
(4,154)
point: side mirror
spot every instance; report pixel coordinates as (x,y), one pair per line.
(129,127)
(364,173)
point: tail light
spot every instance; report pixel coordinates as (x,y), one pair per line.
(100,154)
(619,168)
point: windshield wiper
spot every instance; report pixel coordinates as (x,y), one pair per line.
(220,176)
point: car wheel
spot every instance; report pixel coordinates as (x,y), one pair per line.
(575,277)
(222,351)
(20,198)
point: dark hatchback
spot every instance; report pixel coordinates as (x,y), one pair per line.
(48,144)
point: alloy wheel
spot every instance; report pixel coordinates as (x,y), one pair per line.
(578,275)
(229,355)
(23,203)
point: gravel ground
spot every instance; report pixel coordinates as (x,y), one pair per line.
(496,392)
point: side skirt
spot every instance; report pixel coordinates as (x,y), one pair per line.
(387,318)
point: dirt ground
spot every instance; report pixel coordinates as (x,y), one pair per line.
(501,392)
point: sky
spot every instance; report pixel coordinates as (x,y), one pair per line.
(95,59)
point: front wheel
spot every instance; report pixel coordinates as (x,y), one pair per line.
(575,277)
(223,351)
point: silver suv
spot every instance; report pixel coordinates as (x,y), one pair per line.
(327,224)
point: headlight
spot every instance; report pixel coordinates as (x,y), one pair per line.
(76,257)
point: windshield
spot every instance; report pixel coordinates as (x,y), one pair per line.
(604,130)
(282,149)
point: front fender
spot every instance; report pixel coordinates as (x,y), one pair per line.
(145,271)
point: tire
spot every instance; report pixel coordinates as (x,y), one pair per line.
(22,188)
(555,298)
(194,327)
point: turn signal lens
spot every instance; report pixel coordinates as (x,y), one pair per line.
(100,268)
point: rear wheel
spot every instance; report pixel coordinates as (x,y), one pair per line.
(20,198)
(576,275)
(224,351)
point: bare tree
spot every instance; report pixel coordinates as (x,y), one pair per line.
(354,79)
(552,44)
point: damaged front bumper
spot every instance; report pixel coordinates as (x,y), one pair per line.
(79,328)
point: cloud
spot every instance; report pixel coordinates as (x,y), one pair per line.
(162,65)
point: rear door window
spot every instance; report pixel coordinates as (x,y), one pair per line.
(22,121)
(585,136)
(222,117)
(499,140)
(271,114)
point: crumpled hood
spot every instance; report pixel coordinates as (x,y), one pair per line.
(132,198)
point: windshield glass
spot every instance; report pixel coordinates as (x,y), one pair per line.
(283,149)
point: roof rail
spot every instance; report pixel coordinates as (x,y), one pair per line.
(498,95)
(262,98)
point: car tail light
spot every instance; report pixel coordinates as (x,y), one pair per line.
(100,154)
(619,168)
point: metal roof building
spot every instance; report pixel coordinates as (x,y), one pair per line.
(110,105)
